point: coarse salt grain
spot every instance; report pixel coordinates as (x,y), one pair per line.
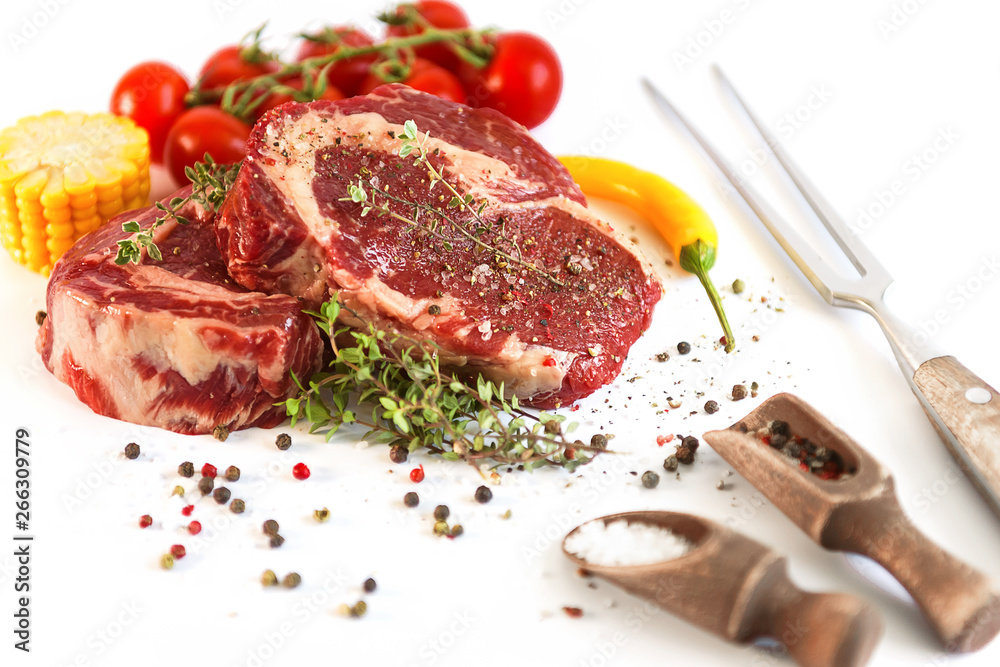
(623,543)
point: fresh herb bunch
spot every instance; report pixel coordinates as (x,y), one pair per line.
(415,403)
(211,181)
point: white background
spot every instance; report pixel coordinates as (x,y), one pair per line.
(869,86)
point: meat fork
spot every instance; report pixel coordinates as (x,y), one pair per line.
(964,409)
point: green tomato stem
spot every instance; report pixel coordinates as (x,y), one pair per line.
(698,258)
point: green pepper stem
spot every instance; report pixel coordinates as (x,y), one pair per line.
(697,258)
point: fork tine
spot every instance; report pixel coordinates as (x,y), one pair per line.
(862,259)
(809,262)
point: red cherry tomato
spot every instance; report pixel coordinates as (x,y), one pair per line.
(227,65)
(201,130)
(440,14)
(428,77)
(277,99)
(345,75)
(523,79)
(151,94)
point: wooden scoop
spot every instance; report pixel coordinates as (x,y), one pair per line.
(739,589)
(861,514)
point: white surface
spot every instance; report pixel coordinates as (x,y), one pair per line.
(879,102)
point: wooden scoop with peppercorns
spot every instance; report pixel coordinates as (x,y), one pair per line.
(845,500)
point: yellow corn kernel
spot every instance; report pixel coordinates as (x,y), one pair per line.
(63,175)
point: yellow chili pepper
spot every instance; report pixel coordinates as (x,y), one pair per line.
(677,217)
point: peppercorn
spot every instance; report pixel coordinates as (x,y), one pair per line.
(237,506)
(411,499)
(440,527)
(275,541)
(684,347)
(690,442)
(178,551)
(232,474)
(178,491)
(194,527)
(483,495)
(778,426)
(131,451)
(739,392)
(40,317)
(221,495)
(552,427)
(738,286)
(662,356)
(433,309)
(322,515)
(145,521)
(720,485)
(166,561)
(359,609)
(291,580)
(270,527)
(670,463)
(441,513)
(650,479)
(599,441)
(711,407)
(573,612)
(205,485)
(685,455)
(457,530)
(220,432)
(417,474)
(187,509)
(369,586)
(269,578)
(283,441)
(209,470)
(778,440)
(186,469)
(398,454)
(300,471)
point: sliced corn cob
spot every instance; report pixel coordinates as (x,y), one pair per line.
(63,175)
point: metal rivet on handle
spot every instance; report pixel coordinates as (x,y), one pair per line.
(978,395)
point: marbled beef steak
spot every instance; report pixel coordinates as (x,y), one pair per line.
(176,343)
(553,335)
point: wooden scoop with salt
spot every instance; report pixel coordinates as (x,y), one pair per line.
(732,586)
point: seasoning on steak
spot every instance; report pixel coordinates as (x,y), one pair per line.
(175,343)
(289,226)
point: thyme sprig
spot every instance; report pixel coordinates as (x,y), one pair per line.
(414,144)
(212,182)
(395,387)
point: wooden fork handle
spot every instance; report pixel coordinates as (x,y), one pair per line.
(966,413)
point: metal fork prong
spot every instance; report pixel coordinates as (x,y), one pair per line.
(827,282)
(859,255)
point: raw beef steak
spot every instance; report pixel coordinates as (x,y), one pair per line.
(176,343)
(553,331)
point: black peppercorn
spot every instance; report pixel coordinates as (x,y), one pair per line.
(433,309)
(778,440)
(684,347)
(711,407)
(221,495)
(411,499)
(275,541)
(40,317)
(599,441)
(131,451)
(270,527)
(186,469)
(220,432)
(237,506)
(685,455)
(283,441)
(232,474)
(205,485)
(483,495)
(650,479)
(690,442)
(441,513)
(778,426)
(670,463)
(369,586)
(662,356)
(398,454)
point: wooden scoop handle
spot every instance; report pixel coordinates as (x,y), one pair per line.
(817,629)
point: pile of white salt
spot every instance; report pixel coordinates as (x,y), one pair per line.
(623,543)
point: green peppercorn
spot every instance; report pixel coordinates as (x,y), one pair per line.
(369,586)
(270,527)
(359,609)
(275,541)
(441,528)
(553,427)
(650,479)
(411,499)
(269,578)
(178,491)
(684,347)
(237,506)
(283,441)
(131,451)
(441,513)
(205,485)
(232,474)
(291,580)
(166,561)
(186,469)
(483,495)
(670,463)
(457,530)
(220,432)
(599,441)
(738,286)
(398,454)
(322,515)
(221,495)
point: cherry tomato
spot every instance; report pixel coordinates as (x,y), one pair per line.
(348,74)
(227,65)
(205,129)
(277,99)
(523,79)
(428,77)
(151,94)
(440,14)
